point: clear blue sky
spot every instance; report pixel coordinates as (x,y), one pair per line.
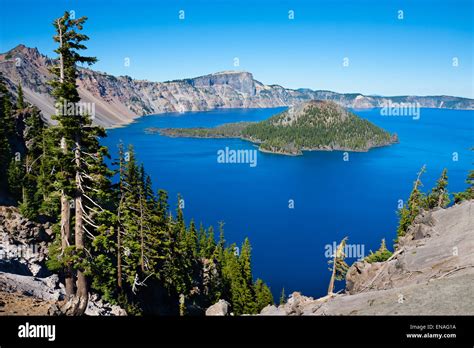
(387,56)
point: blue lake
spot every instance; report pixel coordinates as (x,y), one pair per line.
(332,198)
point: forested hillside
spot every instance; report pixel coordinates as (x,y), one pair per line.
(313,125)
(114,235)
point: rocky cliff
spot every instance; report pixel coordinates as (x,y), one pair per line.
(431,273)
(118,100)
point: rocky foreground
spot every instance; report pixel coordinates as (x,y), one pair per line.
(27,287)
(120,99)
(431,273)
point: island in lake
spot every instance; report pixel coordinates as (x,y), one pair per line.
(315,125)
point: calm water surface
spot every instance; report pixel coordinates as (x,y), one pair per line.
(332,198)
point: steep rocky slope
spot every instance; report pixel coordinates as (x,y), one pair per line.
(431,273)
(118,100)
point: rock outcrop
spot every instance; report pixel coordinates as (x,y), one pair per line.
(431,273)
(23,244)
(27,287)
(118,100)
(220,308)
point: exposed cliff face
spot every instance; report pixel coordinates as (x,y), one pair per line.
(118,100)
(432,273)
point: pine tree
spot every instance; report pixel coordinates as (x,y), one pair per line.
(282,297)
(382,254)
(20,103)
(439,196)
(408,213)
(339,266)
(33,137)
(5,134)
(6,111)
(48,164)
(15,178)
(130,220)
(263,295)
(234,281)
(245,261)
(79,146)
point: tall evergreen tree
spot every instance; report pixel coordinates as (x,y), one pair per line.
(263,295)
(79,149)
(245,261)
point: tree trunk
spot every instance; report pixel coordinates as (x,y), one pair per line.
(142,256)
(333,275)
(119,259)
(440,199)
(119,236)
(65,207)
(66,234)
(65,242)
(61,58)
(82,291)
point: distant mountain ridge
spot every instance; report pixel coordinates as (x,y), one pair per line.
(119,100)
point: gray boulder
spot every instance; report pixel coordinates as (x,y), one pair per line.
(43,288)
(220,308)
(273,310)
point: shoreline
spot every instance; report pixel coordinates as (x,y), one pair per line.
(135,118)
(300,152)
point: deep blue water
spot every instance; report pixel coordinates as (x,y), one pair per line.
(332,198)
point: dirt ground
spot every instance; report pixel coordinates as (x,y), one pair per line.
(19,304)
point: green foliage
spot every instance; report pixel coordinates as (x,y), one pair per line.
(338,265)
(382,254)
(320,125)
(317,127)
(33,136)
(282,297)
(263,295)
(132,243)
(409,211)
(238,291)
(15,178)
(20,103)
(439,196)
(469,192)
(6,132)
